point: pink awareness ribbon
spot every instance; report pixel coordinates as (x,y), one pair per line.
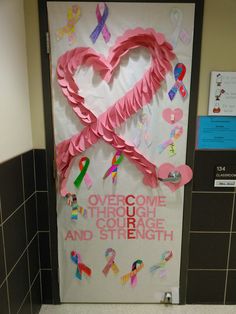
(101,27)
(103,126)
(110,255)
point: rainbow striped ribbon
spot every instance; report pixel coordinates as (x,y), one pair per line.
(71,201)
(165,257)
(133,274)
(175,134)
(116,161)
(81,267)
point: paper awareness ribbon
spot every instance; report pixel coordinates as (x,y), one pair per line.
(71,200)
(136,267)
(143,131)
(116,161)
(110,256)
(176,17)
(179,73)
(83,165)
(81,268)
(175,133)
(104,126)
(165,257)
(101,27)
(73,14)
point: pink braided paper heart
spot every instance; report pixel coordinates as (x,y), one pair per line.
(104,125)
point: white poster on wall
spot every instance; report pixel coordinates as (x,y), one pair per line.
(120,75)
(222,98)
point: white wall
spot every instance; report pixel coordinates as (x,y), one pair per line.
(34,70)
(15,120)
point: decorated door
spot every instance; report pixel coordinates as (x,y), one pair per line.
(120,78)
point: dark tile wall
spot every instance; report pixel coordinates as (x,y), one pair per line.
(24,234)
(212,247)
(25,254)
(43,226)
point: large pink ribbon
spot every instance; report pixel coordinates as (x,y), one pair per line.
(103,126)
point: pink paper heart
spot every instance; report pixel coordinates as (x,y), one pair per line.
(104,126)
(185,171)
(172,116)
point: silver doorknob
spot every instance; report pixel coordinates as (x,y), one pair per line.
(173,177)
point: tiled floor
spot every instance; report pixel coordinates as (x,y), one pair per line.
(136,309)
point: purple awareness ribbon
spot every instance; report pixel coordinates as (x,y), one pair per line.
(101,27)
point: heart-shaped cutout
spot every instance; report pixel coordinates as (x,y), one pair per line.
(172,116)
(186,175)
(104,126)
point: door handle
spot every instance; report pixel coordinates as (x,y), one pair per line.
(173,177)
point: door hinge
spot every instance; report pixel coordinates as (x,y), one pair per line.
(48,43)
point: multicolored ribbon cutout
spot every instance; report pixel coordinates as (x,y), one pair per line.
(71,200)
(110,256)
(179,73)
(101,27)
(133,274)
(83,169)
(165,257)
(73,14)
(81,268)
(116,161)
(143,131)
(175,134)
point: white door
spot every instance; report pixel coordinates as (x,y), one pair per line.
(120,77)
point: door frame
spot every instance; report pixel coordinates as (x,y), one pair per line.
(50,146)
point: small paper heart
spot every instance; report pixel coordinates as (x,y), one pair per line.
(172,116)
(185,171)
